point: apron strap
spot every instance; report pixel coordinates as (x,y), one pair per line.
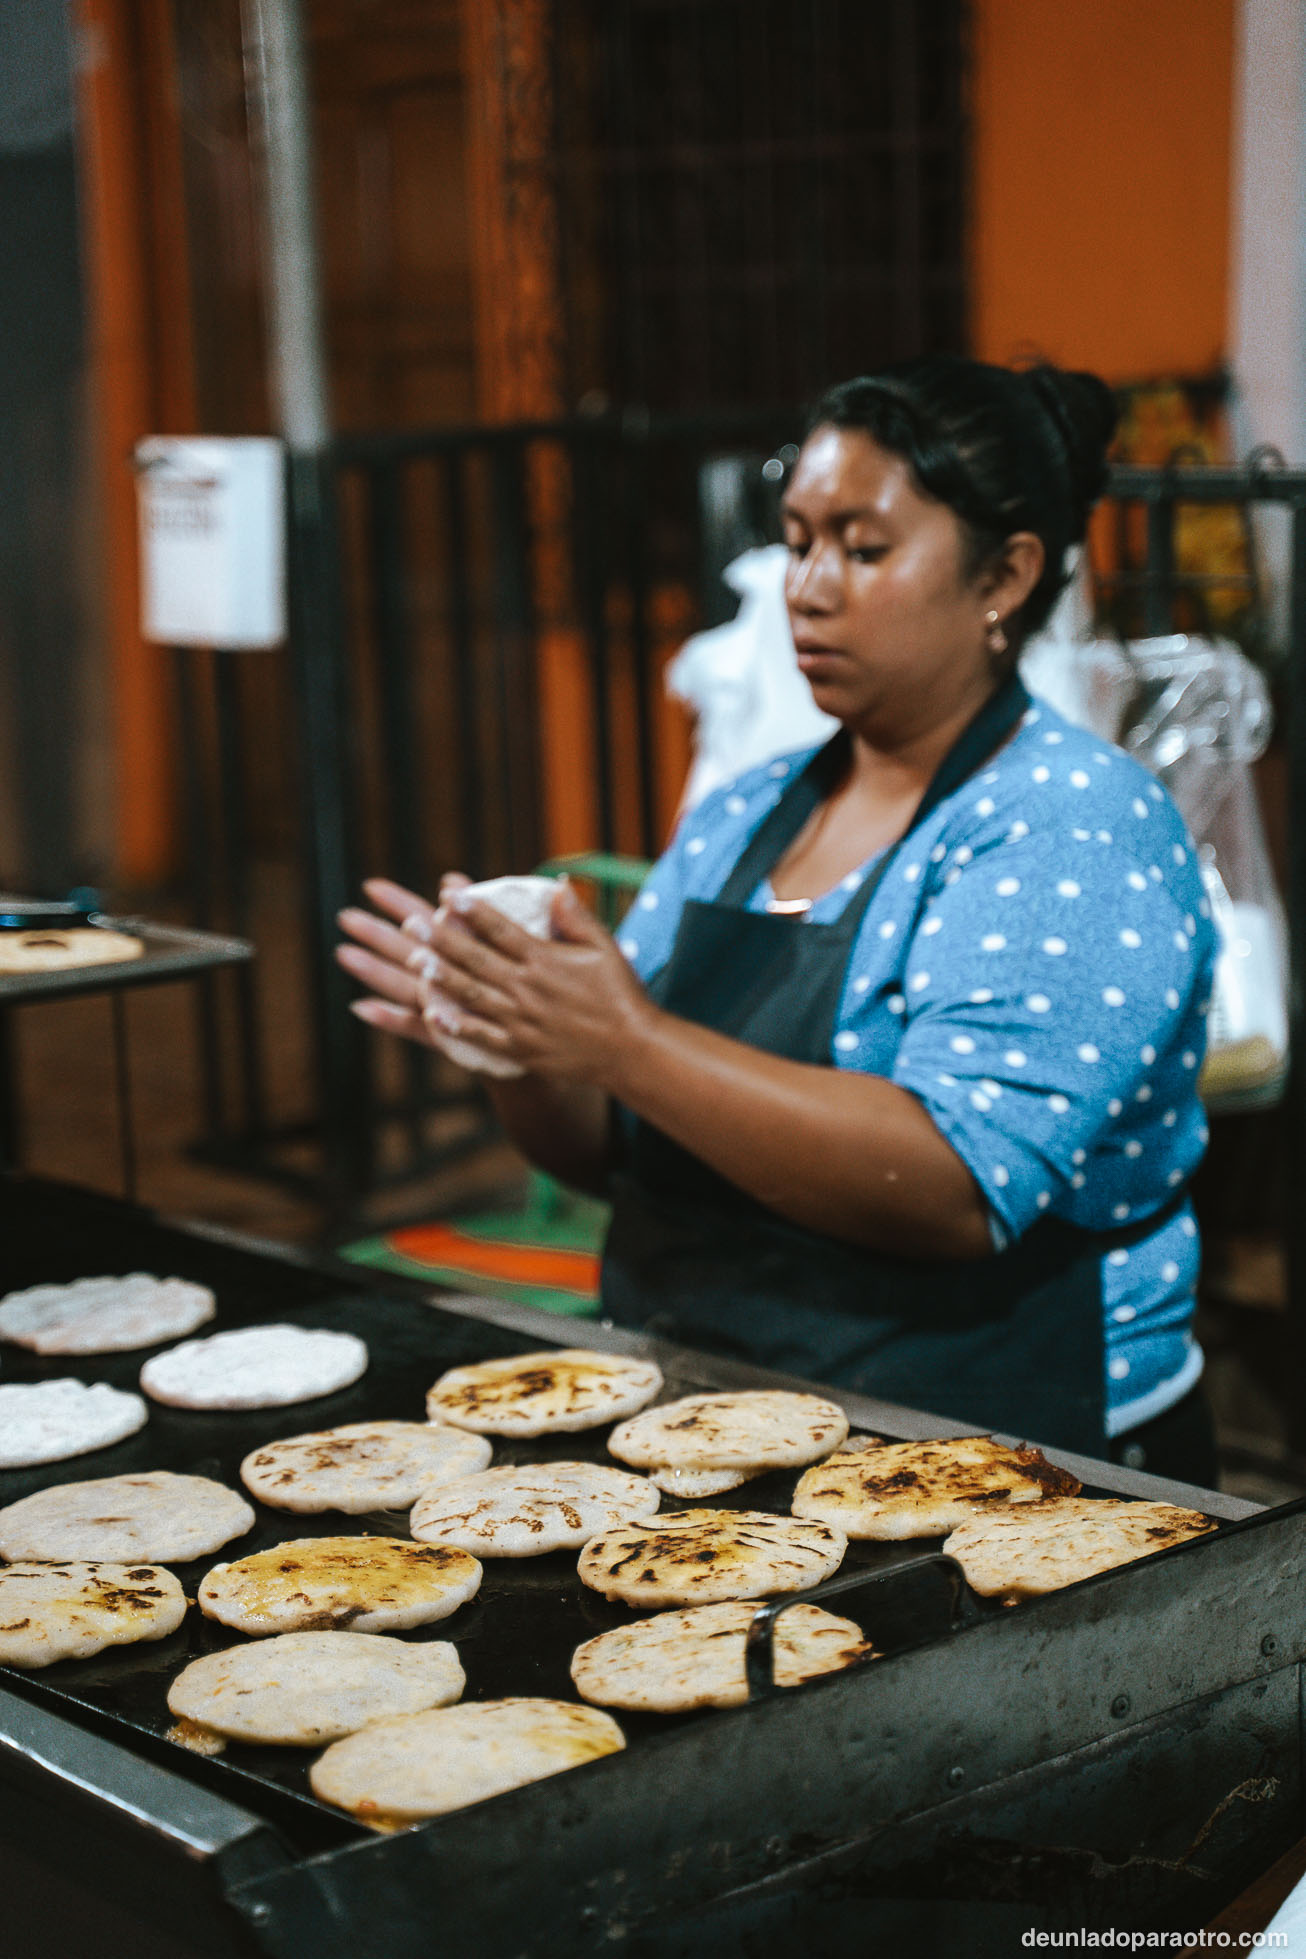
(976,742)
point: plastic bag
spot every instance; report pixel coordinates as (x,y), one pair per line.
(1200,718)
(742,681)
(1090,681)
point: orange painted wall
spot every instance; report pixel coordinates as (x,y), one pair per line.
(142,379)
(1101,191)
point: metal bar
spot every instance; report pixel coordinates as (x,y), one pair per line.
(471,800)
(1158,581)
(759,1644)
(907,177)
(326,784)
(11,1120)
(194,802)
(123,1095)
(393,642)
(390,627)
(514,663)
(231,794)
(199,870)
(635,516)
(589,536)
(1295,1095)
(170,1805)
(277,84)
(1189,483)
(1206,483)
(755,27)
(718,424)
(629,253)
(236,871)
(814,232)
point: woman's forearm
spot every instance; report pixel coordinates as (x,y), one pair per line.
(564,1128)
(850,1155)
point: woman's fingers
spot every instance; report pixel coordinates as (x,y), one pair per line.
(389,1019)
(381,976)
(373,933)
(395,899)
(468,993)
(445,1016)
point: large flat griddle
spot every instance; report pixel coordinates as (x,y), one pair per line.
(700,1805)
(516,1637)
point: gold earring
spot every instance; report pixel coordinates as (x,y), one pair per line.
(995,639)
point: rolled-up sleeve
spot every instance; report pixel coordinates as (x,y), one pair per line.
(1052,1027)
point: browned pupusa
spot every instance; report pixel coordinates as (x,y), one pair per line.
(396,1772)
(554,1391)
(75,1608)
(923,1489)
(361,1466)
(1040,1547)
(531,1508)
(312,1584)
(743,1431)
(700,1557)
(695,1657)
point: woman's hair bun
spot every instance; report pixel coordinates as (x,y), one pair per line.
(1084,413)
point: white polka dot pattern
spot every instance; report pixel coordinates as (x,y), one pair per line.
(1068,941)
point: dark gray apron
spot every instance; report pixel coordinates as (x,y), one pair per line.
(1014,1341)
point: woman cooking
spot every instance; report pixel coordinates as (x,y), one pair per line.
(891,1074)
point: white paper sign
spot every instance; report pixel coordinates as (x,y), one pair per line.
(212,540)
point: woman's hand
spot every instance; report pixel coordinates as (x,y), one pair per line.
(383,959)
(567,1008)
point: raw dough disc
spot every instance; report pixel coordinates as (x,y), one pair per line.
(47,1421)
(104,1315)
(255,1367)
(152,1515)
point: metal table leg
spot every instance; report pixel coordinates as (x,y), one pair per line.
(123,1096)
(10,1112)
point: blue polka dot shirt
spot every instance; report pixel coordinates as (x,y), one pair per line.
(1035,968)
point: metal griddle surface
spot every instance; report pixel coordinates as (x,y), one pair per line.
(515,1637)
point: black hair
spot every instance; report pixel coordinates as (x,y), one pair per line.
(1007,450)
